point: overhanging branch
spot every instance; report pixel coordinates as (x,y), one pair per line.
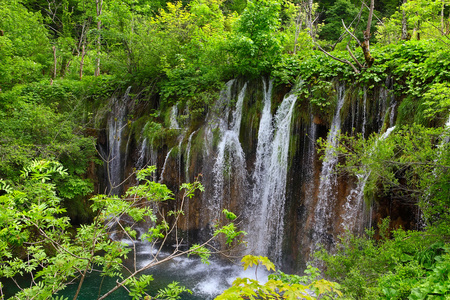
(338,59)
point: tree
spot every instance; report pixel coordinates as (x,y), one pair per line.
(411,165)
(99,9)
(340,10)
(37,239)
(416,19)
(25,50)
(364,45)
(257,42)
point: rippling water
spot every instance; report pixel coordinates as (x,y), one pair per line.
(205,281)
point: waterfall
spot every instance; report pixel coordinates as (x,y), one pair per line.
(173,118)
(392,113)
(161,179)
(322,227)
(310,159)
(188,155)
(267,220)
(116,124)
(229,171)
(142,153)
(265,133)
(364,112)
(354,205)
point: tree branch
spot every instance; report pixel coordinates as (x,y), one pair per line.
(353,56)
(351,34)
(338,59)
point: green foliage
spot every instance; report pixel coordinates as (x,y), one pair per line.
(251,260)
(409,161)
(202,252)
(408,266)
(43,121)
(24,45)
(230,233)
(287,69)
(31,211)
(411,165)
(311,272)
(274,288)
(257,42)
(138,286)
(437,100)
(172,292)
(229,215)
(340,10)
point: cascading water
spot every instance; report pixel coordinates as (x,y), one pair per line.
(314,210)
(265,135)
(354,205)
(267,218)
(187,179)
(173,118)
(188,155)
(140,163)
(229,171)
(352,217)
(364,112)
(322,227)
(161,179)
(310,154)
(116,124)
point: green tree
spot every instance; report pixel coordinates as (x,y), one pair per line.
(340,10)
(38,241)
(411,164)
(25,50)
(257,41)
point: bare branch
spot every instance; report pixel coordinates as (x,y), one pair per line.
(351,34)
(378,19)
(353,56)
(338,59)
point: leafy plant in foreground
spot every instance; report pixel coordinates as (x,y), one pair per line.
(279,285)
(36,240)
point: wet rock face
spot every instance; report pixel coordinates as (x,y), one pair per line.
(245,175)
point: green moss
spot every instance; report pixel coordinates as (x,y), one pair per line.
(408,112)
(197,142)
(138,125)
(351,97)
(253,106)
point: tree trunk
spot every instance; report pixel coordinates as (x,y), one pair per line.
(404,24)
(99,5)
(83,53)
(366,44)
(54,62)
(298,27)
(310,19)
(442,18)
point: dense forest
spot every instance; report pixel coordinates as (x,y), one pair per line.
(61,61)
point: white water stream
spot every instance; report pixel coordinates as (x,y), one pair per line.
(267,213)
(354,205)
(328,179)
(116,124)
(229,167)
